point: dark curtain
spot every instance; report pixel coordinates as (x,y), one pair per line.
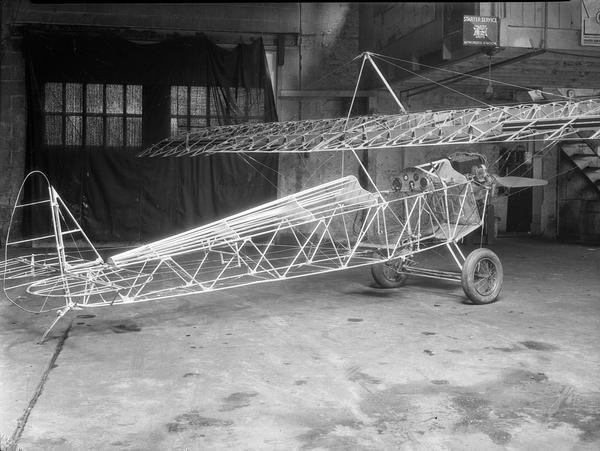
(115,195)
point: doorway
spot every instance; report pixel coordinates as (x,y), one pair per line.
(517,162)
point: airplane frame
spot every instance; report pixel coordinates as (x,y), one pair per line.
(331,227)
(436,207)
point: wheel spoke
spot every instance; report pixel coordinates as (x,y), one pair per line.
(485,277)
(482,276)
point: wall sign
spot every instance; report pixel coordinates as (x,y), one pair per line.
(590,22)
(481,31)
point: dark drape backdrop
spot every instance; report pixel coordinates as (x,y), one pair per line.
(115,195)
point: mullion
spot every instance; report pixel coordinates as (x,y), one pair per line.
(124,89)
(84,116)
(208,106)
(64,115)
(104,118)
(189,108)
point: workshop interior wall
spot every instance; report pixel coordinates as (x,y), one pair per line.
(318,38)
(319,42)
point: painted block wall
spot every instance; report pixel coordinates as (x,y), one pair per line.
(403,29)
(327,44)
(554,26)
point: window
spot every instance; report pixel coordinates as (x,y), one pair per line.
(92,115)
(250,104)
(189,107)
(196,107)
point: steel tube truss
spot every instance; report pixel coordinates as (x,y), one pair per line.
(330,227)
(551,121)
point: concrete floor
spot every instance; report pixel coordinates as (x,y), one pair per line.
(328,362)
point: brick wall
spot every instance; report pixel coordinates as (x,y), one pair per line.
(12,129)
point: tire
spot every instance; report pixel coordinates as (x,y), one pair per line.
(387,275)
(482,276)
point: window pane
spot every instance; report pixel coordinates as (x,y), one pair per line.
(134,131)
(182,125)
(188,108)
(173,101)
(198,101)
(257,101)
(93,99)
(134,99)
(232,92)
(234,109)
(94,131)
(241,101)
(53,130)
(178,125)
(182,100)
(73,97)
(53,98)
(196,123)
(114,99)
(179,100)
(114,131)
(213,107)
(73,131)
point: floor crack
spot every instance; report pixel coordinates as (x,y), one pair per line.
(22,421)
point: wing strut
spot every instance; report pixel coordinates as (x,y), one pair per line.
(368,56)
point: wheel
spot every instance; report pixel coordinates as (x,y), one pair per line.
(482,276)
(387,274)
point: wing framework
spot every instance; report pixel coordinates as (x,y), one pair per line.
(551,121)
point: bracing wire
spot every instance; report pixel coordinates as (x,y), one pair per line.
(437,83)
(489,80)
(384,57)
(247,159)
